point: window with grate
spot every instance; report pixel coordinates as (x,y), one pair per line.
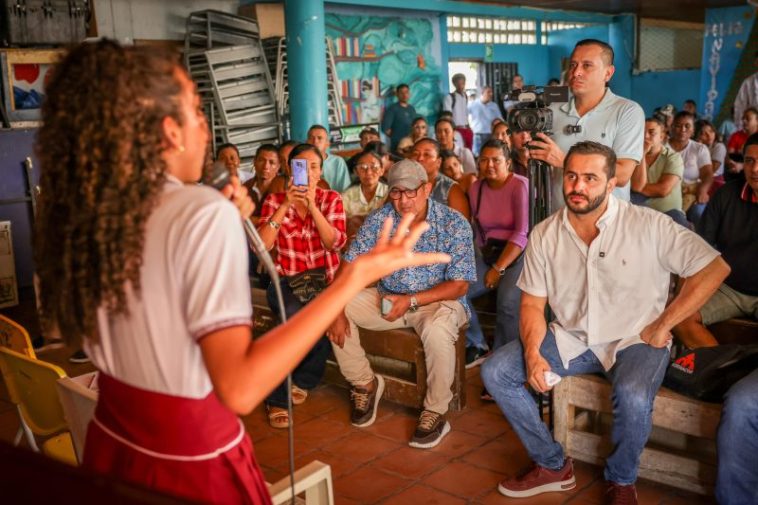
(668,45)
(548,27)
(475,30)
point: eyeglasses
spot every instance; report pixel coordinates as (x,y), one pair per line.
(365,167)
(497,160)
(396,194)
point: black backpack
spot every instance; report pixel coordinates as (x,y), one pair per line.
(707,373)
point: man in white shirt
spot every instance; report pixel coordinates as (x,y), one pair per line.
(747,96)
(604,267)
(594,113)
(457,104)
(483,112)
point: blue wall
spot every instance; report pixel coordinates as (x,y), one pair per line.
(532,60)
(654,89)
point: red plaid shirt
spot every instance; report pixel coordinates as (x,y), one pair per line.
(299,246)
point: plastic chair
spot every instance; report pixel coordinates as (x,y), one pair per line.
(79,401)
(31,386)
(15,337)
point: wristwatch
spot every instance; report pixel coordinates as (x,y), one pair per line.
(274,225)
(414,305)
(500,271)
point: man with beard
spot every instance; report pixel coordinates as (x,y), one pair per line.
(603,265)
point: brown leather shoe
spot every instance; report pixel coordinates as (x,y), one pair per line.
(539,480)
(364,403)
(617,494)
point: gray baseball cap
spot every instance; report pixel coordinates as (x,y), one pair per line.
(407,174)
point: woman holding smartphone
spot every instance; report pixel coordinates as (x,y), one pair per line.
(163,309)
(307,225)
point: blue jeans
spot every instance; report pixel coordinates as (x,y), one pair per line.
(635,379)
(695,212)
(508,304)
(737,444)
(309,372)
(479,140)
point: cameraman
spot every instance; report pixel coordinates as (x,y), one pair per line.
(592,113)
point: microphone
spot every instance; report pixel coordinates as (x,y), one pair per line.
(219,177)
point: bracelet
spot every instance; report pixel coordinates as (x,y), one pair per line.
(274,225)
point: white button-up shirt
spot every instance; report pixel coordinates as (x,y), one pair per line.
(615,122)
(603,295)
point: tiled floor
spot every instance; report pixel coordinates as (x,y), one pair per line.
(375,464)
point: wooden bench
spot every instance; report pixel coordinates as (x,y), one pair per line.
(398,356)
(681,451)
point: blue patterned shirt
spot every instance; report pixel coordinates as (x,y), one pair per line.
(448,233)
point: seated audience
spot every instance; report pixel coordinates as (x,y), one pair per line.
(419,130)
(502,133)
(335,169)
(266,164)
(388,159)
(705,133)
(457,137)
(591,261)
(361,199)
(698,171)
(453,168)
(657,180)
(230,156)
(444,189)
(444,129)
(500,216)
(367,135)
(520,155)
(429,299)
(307,226)
(738,138)
(730,224)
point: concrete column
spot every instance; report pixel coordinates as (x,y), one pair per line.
(306,65)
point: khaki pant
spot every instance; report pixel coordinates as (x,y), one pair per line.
(437,324)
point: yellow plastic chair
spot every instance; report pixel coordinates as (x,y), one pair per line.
(32,388)
(15,337)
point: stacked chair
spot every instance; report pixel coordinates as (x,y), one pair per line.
(275,49)
(224,56)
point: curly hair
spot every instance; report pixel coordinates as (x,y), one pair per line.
(100,149)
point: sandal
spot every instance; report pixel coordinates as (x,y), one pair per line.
(298,395)
(278,417)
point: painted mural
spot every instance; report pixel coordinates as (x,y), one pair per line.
(374,54)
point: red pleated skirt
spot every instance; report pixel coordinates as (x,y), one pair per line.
(193,449)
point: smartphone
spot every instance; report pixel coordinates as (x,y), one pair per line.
(386,306)
(299,172)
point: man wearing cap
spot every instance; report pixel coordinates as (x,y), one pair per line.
(430,299)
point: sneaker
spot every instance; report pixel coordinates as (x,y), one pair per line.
(79,357)
(430,430)
(364,403)
(618,494)
(539,480)
(474,357)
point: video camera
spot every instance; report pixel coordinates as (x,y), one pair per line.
(532,113)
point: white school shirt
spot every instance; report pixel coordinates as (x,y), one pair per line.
(603,295)
(194,281)
(695,155)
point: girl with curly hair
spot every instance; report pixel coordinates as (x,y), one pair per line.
(149,271)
